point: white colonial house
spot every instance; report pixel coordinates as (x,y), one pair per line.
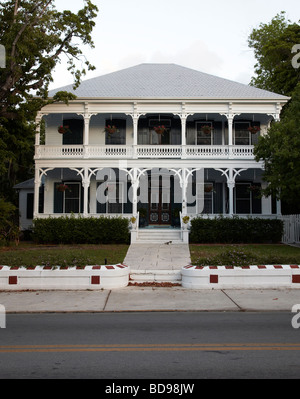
(154,141)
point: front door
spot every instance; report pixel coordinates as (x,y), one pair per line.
(159,203)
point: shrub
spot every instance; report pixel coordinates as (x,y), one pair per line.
(79,230)
(9,230)
(236,230)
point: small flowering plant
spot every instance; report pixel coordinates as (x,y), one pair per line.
(254,129)
(207,129)
(110,129)
(62,129)
(160,129)
(62,187)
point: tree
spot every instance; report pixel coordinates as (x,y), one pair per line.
(35,35)
(280,151)
(272,44)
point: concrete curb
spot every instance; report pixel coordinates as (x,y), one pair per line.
(94,277)
(256,276)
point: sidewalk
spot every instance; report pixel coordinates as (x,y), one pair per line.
(133,299)
(157,256)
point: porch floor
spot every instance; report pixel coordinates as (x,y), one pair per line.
(157,256)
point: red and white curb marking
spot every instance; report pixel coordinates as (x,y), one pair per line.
(254,276)
(67,278)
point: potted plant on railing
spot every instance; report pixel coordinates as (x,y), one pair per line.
(62,129)
(110,129)
(206,129)
(254,129)
(133,222)
(160,129)
(62,187)
(185,221)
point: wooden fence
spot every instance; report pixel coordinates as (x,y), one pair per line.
(291,233)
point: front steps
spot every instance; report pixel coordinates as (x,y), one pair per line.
(159,236)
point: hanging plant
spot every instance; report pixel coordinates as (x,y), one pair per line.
(208,188)
(207,129)
(254,129)
(160,129)
(111,129)
(63,129)
(62,187)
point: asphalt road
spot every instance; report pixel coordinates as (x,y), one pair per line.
(156,346)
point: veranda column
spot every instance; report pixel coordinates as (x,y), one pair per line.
(37,182)
(183,116)
(86,185)
(135,118)
(38,134)
(86,140)
(135,185)
(231,185)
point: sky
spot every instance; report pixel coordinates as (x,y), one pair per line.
(210,36)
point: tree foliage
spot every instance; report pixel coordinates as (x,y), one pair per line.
(272,44)
(35,36)
(280,151)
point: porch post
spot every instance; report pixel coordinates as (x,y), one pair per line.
(135,184)
(183,116)
(38,133)
(86,133)
(135,118)
(37,182)
(229,173)
(86,185)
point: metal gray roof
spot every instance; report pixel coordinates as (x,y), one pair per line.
(165,81)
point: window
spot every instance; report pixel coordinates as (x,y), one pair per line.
(205,198)
(204,133)
(118,135)
(114,197)
(247,198)
(164,137)
(242,198)
(72,198)
(74,135)
(69,199)
(241,133)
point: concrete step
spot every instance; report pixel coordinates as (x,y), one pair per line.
(159,236)
(155,276)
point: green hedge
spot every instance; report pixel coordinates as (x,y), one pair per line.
(79,230)
(236,230)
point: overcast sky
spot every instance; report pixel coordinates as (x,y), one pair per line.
(209,36)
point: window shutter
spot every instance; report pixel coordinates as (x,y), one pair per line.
(29,206)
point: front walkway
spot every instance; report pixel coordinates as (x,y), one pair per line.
(157,256)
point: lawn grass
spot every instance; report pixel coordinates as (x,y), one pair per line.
(29,254)
(244,255)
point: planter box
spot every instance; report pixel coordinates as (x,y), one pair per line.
(219,277)
(57,278)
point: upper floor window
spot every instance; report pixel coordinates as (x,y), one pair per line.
(74,134)
(245,133)
(204,133)
(115,131)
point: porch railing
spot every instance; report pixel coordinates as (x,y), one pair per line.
(144,151)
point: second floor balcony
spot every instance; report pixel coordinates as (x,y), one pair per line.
(144,151)
(194,139)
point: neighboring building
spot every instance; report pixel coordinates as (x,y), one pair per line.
(203,162)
